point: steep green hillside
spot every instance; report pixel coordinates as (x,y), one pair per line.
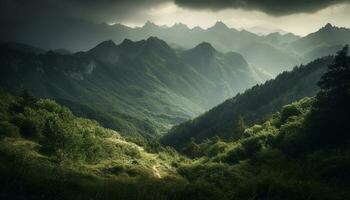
(301,152)
(255,104)
(282,158)
(278,159)
(48,153)
(136,88)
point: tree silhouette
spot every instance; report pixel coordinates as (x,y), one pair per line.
(28,98)
(335,83)
(329,120)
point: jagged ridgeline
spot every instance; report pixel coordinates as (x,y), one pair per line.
(273,53)
(229,119)
(136,88)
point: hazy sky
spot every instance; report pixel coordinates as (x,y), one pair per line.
(299,23)
(297,16)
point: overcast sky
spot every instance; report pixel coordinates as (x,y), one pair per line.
(300,23)
(299,16)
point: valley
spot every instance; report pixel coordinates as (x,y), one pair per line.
(289,155)
(174,100)
(137,88)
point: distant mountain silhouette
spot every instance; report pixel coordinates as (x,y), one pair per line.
(323,42)
(78,35)
(22,48)
(260,30)
(62,51)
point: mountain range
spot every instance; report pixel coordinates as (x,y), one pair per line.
(159,112)
(141,87)
(300,152)
(152,85)
(273,53)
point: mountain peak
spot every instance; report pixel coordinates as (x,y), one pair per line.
(275,34)
(107,44)
(149,24)
(205,45)
(328,26)
(205,48)
(220,25)
(197,28)
(119,25)
(103,47)
(156,42)
(126,42)
(153,39)
(180,26)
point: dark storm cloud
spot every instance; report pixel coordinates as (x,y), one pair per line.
(136,10)
(271,7)
(106,10)
(48,22)
(95,10)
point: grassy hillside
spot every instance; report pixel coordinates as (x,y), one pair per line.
(278,159)
(254,105)
(301,152)
(48,153)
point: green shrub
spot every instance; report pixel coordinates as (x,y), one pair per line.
(288,111)
(235,155)
(8,129)
(192,150)
(215,149)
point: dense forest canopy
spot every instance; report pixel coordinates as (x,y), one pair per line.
(255,104)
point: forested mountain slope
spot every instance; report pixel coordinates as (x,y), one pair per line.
(135,87)
(255,104)
(285,157)
(301,152)
(48,153)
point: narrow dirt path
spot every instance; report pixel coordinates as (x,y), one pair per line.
(156,172)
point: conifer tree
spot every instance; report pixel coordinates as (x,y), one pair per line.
(329,120)
(335,83)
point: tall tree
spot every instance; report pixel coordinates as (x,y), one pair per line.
(329,120)
(335,83)
(240,127)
